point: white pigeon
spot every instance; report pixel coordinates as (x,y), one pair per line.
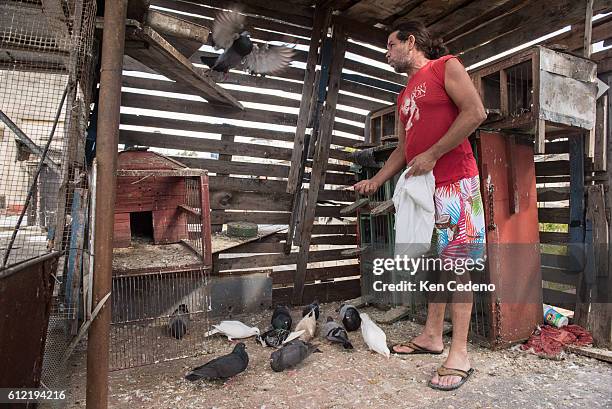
(373,336)
(309,325)
(233,330)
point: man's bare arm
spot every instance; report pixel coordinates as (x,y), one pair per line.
(461,90)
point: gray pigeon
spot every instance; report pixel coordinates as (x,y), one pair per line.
(335,333)
(179,321)
(229,34)
(223,367)
(291,354)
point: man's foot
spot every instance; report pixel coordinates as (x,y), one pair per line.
(456,360)
(425,342)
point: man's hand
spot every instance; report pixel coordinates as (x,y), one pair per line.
(366,187)
(421,164)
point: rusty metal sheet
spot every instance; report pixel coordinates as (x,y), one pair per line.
(25,304)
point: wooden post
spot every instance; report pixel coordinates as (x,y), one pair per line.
(600,315)
(586,51)
(321,156)
(227,158)
(306,116)
(576,222)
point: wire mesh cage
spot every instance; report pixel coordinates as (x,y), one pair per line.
(162,261)
(47,61)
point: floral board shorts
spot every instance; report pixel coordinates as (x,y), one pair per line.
(459,220)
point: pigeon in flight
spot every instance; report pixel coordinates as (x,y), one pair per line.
(223,367)
(229,34)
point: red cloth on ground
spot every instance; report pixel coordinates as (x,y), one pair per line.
(550,341)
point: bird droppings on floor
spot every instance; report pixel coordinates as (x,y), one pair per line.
(358,378)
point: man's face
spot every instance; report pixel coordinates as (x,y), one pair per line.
(399,54)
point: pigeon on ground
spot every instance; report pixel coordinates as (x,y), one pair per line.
(179,321)
(373,336)
(223,367)
(350,317)
(291,354)
(309,325)
(233,330)
(229,34)
(313,306)
(281,318)
(276,337)
(335,333)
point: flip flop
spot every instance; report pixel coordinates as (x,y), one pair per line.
(444,371)
(416,349)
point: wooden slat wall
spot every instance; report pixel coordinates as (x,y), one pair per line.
(249,184)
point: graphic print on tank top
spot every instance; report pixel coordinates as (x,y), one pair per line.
(410,108)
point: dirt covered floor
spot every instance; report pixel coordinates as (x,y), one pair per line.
(358,379)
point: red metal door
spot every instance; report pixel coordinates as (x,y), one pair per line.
(513,249)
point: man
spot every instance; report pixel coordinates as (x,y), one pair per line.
(440,108)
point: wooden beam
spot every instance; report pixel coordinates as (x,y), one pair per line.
(321,24)
(524,24)
(432,11)
(324,292)
(176,26)
(369,12)
(588,29)
(601,134)
(153,50)
(320,159)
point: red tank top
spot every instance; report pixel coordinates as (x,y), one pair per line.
(427,112)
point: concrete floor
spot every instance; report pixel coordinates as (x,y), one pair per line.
(359,379)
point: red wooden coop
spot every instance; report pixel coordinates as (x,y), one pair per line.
(161,201)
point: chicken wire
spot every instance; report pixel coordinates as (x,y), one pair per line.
(47,62)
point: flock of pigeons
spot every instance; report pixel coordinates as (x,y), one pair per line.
(292,346)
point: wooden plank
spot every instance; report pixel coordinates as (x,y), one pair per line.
(163,103)
(553,168)
(334,229)
(335,240)
(525,24)
(374,11)
(320,159)
(555,261)
(597,353)
(177,27)
(554,237)
(322,273)
(559,298)
(223,199)
(324,292)
(553,194)
(256,248)
(601,134)
(224,217)
(433,11)
(469,16)
(557,275)
(599,320)
(554,215)
(269,260)
(321,24)
(242,96)
(588,28)
(168,61)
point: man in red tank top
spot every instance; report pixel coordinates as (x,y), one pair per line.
(439,108)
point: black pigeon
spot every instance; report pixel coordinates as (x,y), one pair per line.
(273,338)
(281,318)
(350,317)
(179,321)
(229,34)
(223,367)
(312,306)
(335,333)
(291,354)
